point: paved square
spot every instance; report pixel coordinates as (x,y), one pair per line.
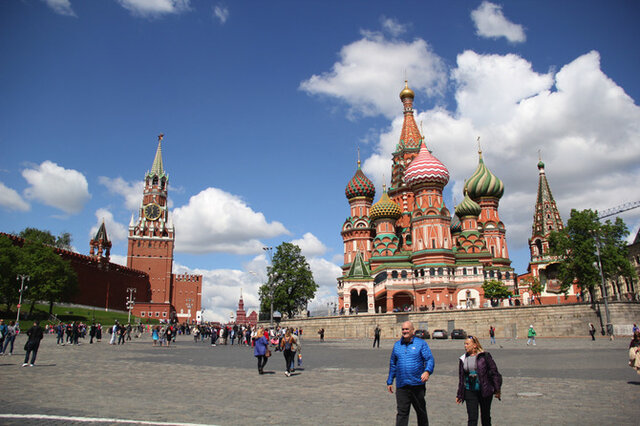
(559,381)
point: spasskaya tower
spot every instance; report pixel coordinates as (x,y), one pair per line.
(151,241)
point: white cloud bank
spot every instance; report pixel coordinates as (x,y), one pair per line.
(366,75)
(155,8)
(131,191)
(490,22)
(61,7)
(115,231)
(56,186)
(217,221)
(11,200)
(586,126)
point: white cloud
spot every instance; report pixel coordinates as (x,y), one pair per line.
(368,77)
(392,26)
(310,245)
(115,231)
(11,200)
(325,274)
(221,12)
(216,221)
(61,7)
(491,23)
(131,191)
(154,8)
(586,126)
(118,259)
(56,186)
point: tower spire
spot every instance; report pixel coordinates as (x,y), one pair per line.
(156,168)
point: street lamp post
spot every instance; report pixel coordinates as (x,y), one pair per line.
(130,302)
(22,288)
(189,305)
(269,251)
(604,289)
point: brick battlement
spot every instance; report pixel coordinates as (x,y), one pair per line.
(188,278)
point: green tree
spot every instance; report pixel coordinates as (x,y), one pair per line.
(535,286)
(578,244)
(495,291)
(290,279)
(9,258)
(52,278)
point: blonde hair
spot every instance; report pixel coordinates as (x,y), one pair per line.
(476,343)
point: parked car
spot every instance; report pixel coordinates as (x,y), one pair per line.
(440,334)
(423,334)
(458,333)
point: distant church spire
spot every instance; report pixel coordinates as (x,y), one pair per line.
(100,244)
(156,168)
(545,219)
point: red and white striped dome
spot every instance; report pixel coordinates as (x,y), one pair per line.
(426,168)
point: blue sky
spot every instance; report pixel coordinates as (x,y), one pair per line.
(264,104)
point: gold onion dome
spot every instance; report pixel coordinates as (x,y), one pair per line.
(385,208)
(483,183)
(360,186)
(406,92)
(468,207)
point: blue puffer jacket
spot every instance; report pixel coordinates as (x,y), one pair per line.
(408,361)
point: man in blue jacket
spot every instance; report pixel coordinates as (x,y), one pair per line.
(411,365)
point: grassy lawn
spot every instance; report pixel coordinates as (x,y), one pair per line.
(67,314)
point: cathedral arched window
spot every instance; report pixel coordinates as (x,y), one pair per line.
(394,274)
(403,274)
(440,271)
(432,271)
(155,180)
(162,183)
(475,270)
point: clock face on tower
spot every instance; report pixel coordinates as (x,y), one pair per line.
(152,211)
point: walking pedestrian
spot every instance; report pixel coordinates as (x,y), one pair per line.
(492,334)
(592,331)
(286,345)
(411,365)
(12,331)
(376,337)
(634,352)
(35,334)
(114,333)
(261,350)
(321,333)
(479,380)
(3,333)
(531,334)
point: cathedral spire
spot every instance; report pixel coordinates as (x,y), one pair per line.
(156,168)
(546,218)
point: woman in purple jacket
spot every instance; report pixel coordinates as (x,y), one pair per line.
(260,349)
(479,381)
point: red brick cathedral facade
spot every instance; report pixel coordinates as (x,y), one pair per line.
(407,251)
(151,241)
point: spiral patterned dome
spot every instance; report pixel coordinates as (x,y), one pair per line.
(456,225)
(385,208)
(483,183)
(426,168)
(468,207)
(360,186)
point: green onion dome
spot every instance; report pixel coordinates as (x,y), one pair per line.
(468,207)
(483,183)
(360,186)
(540,165)
(385,208)
(456,225)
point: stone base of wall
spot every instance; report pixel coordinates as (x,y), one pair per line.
(510,322)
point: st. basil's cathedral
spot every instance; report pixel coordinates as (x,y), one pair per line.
(407,251)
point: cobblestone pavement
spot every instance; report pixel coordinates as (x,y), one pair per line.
(558,381)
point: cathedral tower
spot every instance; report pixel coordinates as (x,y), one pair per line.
(100,245)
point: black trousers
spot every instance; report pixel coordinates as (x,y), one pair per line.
(288,358)
(408,396)
(262,361)
(473,399)
(33,351)
(376,339)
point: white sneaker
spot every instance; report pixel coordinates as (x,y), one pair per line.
(286,373)
(30,365)
(25,364)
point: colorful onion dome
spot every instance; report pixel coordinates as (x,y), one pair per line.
(483,183)
(406,92)
(360,186)
(456,225)
(426,168)
(540,165)
(468,207)
(385,208)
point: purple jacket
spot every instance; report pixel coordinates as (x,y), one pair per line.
(488,376)
(260,346)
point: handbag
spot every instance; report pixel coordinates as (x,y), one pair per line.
(267,353)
